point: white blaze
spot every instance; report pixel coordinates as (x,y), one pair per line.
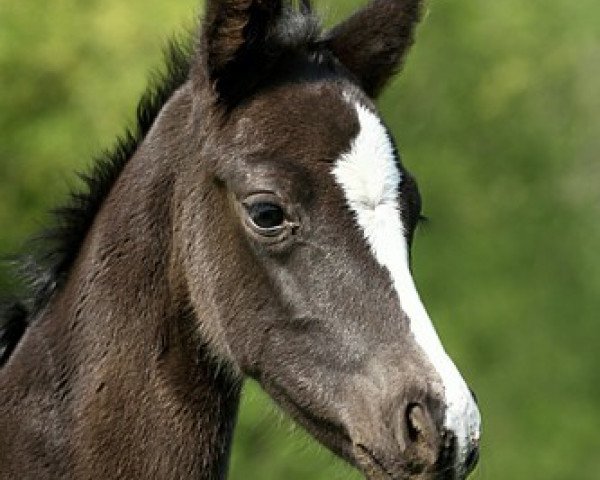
(369,176)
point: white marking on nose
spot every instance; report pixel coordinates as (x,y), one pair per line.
(369,177)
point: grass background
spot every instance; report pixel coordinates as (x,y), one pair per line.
(498,114)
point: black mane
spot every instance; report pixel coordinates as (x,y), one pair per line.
(56,248)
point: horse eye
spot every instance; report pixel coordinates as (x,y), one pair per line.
(268,218)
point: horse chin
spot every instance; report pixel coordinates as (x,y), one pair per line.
(375,467)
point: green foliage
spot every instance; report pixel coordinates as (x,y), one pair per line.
(498,114)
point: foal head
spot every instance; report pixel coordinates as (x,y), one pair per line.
(295,220)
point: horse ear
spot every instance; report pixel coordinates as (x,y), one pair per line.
(233,44)
(373,42)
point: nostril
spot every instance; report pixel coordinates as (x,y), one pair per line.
(419,423)
(423,440)
(414,421)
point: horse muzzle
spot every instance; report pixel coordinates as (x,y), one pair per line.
(414,442)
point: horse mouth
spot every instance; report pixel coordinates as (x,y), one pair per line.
(336,437)
(375,468)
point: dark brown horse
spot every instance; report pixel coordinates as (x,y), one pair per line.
(258,223)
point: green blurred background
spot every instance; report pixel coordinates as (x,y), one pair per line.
(498,114)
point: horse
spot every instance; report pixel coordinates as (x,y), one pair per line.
(256,223)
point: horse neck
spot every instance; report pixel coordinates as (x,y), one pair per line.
(136,394)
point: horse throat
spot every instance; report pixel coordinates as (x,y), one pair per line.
(113,379)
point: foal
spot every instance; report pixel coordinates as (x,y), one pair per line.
(257,223)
